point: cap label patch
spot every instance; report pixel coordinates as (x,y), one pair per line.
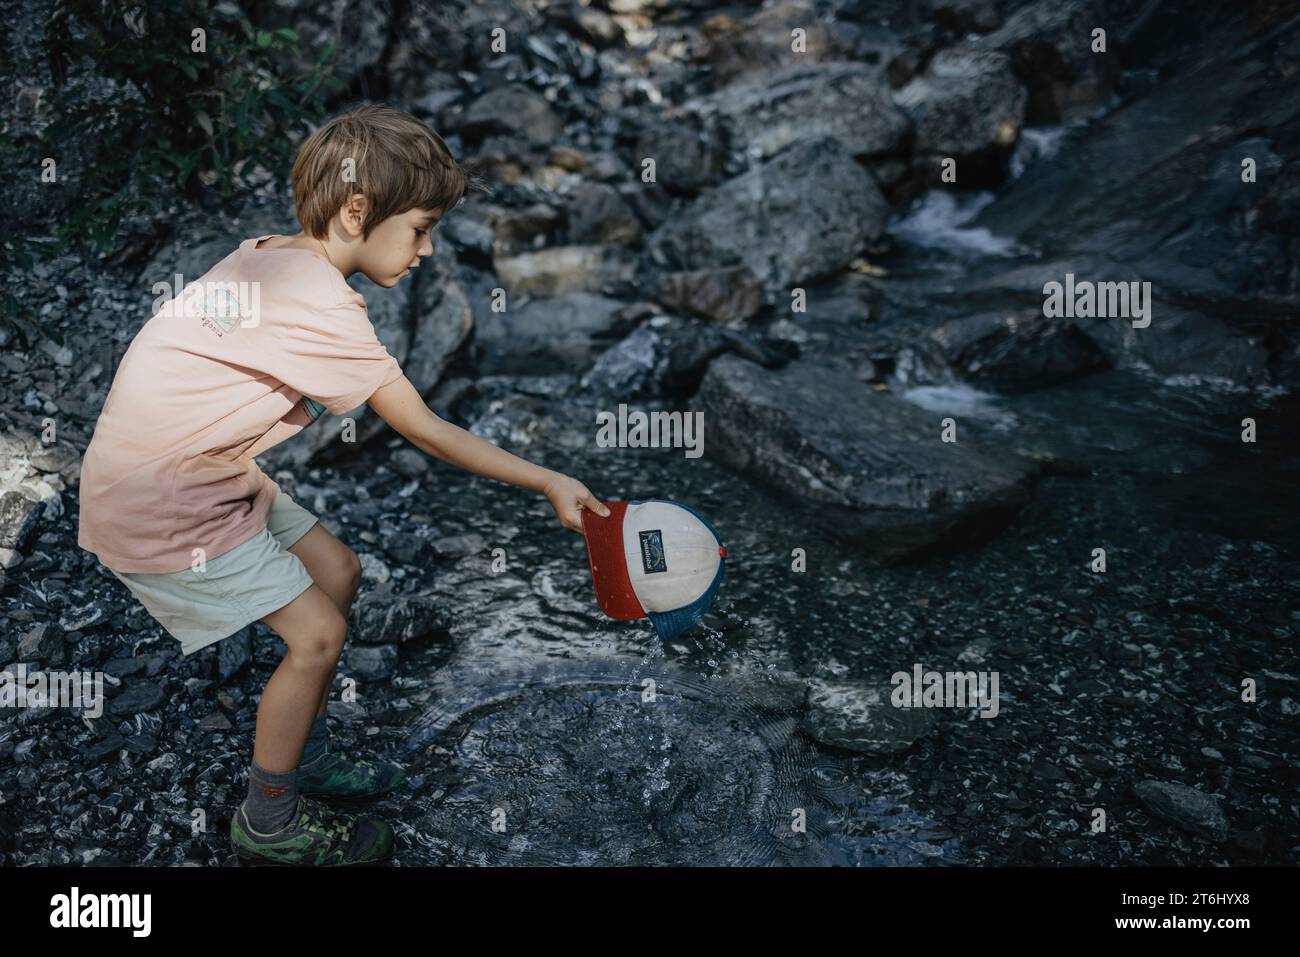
(652,551)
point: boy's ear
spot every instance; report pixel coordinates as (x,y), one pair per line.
(353,214)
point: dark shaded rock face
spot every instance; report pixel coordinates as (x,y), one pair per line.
(1017,352)
(1050,46)
(872,467)
(803,214)
(1157,184)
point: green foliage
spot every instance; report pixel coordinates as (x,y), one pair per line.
(140,118)
(171,118)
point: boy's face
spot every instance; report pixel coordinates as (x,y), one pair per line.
(397,245)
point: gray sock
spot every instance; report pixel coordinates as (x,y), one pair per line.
(318,741)
(272,798)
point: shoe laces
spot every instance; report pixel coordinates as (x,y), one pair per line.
(324,821)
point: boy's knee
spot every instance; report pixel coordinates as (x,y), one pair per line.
(323,647)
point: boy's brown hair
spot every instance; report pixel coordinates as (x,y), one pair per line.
(399,163)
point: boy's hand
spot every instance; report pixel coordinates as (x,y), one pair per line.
(569,497)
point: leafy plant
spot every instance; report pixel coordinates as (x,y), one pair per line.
(188,95)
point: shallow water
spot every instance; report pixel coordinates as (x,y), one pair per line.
(531,741)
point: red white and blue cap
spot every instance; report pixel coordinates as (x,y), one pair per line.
(654,559)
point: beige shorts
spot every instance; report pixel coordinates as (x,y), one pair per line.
(241,586)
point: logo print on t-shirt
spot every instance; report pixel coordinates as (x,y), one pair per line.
(222,307)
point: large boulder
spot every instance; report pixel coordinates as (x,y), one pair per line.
(805,213)
(1050,46)
(848,102)
(549,335)
(872,468)
(967,106)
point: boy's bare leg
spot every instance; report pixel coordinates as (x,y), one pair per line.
(336,569)
(314,631)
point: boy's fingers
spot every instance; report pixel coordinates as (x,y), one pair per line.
(596,505)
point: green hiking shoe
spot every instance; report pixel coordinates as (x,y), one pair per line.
(317,836)
(335,774)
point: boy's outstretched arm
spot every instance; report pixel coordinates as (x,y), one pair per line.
(400,405)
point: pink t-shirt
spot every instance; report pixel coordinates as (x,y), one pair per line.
(230,367)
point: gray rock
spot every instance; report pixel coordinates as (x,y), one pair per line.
(567,269)
(42,642)
(234,654)
(55,457)
(1014,352)
(1184,806)
(380,617)
(871,467)
(848,102)
(548,335)
(371,662)
(727,294)
(760,43)
(458,546)
(805,213)
(516,110)
(597,214)
(19,518)
(661,357)
(969,106)
(138,697)
(1050,46)
(687,152)
(862,718)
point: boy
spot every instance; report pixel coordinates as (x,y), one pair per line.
(173,503)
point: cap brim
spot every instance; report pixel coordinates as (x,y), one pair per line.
(608,562)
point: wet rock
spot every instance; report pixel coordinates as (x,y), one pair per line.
(138,697)
(805,213)
(458,546)
(216,721)
(19,518)
(1187,807)
(871,467)
(371,662)
(1050,46)
(598,214)
(41,643)
(967,106)
(1179,340)
(1202,236)
(861,717)
(567,269)
(848,102)
(1013,352)
(380,617)
(727,294)
(548,335)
